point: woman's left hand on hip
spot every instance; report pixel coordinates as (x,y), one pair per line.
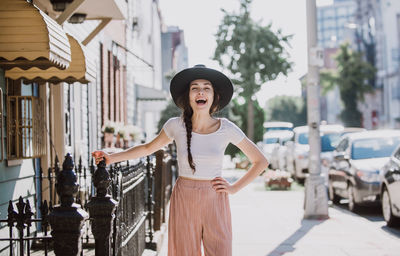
(222,185)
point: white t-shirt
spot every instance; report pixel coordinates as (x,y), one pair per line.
(207,149)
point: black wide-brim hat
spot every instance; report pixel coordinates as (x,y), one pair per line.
(221,83)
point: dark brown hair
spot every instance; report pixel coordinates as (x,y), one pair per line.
(187,113)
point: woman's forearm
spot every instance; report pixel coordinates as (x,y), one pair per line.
(253,172)
(130,153)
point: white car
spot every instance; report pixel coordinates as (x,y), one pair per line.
(277,159)
(271,143)
(278,126)
(298,149)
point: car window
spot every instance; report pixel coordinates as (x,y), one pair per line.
(329,141)
(284,140)
(397,154)
(278,129)
(374,147)
(270,140)
(342,145)
(303,138)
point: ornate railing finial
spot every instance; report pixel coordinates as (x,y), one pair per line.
(67,187)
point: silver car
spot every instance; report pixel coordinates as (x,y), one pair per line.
(355,170)
(298,149)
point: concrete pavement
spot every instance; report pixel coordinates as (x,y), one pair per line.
(270,223)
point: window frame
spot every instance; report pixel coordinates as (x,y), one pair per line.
(25,127)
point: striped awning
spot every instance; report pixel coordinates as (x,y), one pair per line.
(81,69)
(30,38)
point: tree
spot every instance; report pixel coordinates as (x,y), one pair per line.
(287,109)
(238,114)
(170,111)
(353,77)
(252,53)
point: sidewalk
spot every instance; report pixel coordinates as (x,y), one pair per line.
(270,223)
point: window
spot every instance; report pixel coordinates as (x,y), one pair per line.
(341,11)
(303,138)
(1,125)
(25,127)
(397,154)
(342,145)
(329,141)
(374,147)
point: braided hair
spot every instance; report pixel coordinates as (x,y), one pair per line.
(187,113)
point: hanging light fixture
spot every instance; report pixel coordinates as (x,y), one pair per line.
(60,5)
(77,18)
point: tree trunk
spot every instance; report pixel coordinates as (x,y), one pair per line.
(250,119)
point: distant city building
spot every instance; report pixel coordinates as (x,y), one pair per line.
(335,23)
(377,30)
(174,52)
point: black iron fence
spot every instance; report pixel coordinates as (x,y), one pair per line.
(117,209)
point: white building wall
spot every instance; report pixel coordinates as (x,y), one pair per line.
(144,63)
(390,20)
(85,106)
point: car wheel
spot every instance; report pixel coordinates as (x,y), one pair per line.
(353,206)
(391,220)
(332,196)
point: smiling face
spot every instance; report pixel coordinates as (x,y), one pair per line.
(201,95)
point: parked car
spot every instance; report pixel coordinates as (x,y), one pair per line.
(327,153)
(390,190)
(354,173)
(278,126)
(298,149)
(270,142)
(347,130)
(276,159)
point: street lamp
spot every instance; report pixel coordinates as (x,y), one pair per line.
(316,200)
(77,18)
(60,5)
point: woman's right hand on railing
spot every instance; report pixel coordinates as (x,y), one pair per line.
(100,155)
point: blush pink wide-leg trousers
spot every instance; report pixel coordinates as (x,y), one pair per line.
(199,213)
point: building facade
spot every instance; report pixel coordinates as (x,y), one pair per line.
(103,65)
(175,53)
(334,28)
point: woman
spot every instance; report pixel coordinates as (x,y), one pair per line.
(199,204)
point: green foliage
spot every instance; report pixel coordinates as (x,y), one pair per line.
(170,111)
(287,109)
(252,52)
(238,115)
(109,130)
(353,77)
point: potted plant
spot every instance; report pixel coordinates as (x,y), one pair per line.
(124,135)
(108,130)
(119,130)
(134,132)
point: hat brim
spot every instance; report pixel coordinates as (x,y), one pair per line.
(221,83)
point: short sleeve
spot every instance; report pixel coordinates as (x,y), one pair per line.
(169,128)
(236,135)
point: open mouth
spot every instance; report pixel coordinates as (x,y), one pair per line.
(201,102)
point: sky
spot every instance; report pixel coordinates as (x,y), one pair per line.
(200,20)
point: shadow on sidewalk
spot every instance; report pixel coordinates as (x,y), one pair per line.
(288,245)
(372,214)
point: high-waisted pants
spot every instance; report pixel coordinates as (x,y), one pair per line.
(199,213)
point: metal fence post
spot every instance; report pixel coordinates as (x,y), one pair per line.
(101,209)
(150,203)
(67,219)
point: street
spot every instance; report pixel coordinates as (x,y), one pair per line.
(270,223)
